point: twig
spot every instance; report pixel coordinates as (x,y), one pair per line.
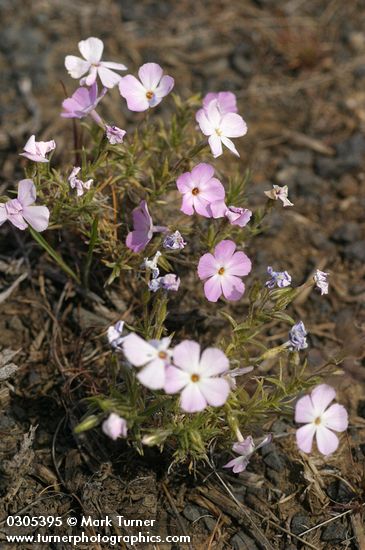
(328,521)
(176,511)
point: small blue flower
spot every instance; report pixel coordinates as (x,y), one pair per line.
(278,278)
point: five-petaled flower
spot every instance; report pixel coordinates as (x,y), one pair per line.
(82,103)
(280,193)
(114,426)
(92,49)
(220,127)
(76,183)
(154,356)
(222,271)
(21,212)
(143,228)
(278,278)
(226,101)
(37,150)
(147,92)
(319,420)
(245,449)
(320,278)
(200,189)
(197,377)
(114,134)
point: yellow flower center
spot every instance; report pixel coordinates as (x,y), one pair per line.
(317,421)
(195,377)
(162,354)
(149,95)
(221,271)
(195,191)
(218,131)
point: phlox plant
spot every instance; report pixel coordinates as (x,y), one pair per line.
(148,206)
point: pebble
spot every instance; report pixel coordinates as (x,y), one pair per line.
(339,491)
(300,522)
(273,458)
(356,251)
(346,233)
(193,513)
(334,532)
(241,541)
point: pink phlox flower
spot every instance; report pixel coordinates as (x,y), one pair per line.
(154,356)
(319,420)
(199,189)
(83,102)
(147,92)
(245,449)
(320,278)
(226,101)
(37,150)
(197,376)
(143,228)
(21,212)
(280,193)
(114,134)
(76,183)
(114,335)
(238,216)
(91,50)
(169,282)
(222,271)
(115,426)
(220,127)
(235,373)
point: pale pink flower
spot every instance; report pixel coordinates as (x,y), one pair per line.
(147,92)
(114,426)
(114,134)
(220,127)
(280,193)
(76,183)
(222,271)
(319,420)
(199,189)
(197,377)
(238,216)
(91,50)
(82,103)
(154,356)
(245,449)
(226,101)
(37,150)
(143,228)
(21,212)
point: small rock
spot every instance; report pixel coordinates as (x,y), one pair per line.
(300,522)
(302,157)
(274,477)
(193,513)
(334,532)
(273,458)
(346,233)
(241,541)
(339,491)
(210,523)
(356,251)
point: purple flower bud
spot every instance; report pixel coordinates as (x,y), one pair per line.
(114,134)
(114,426)
(278,278)
(174,241)
(297,337)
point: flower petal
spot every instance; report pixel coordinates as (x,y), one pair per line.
(335,418)
(202,206)
(134,93)
(91,49)
(224,251)
(238,464)
(165,86)
(3,214)
(213,361)
(327,441)
(215,390)
(137,240)
(192,400)
(239,264)
(175,379)
(150,75)
(304,411)
(108,78)
(305,436)
(152,376)
(186,355)
(185,182)
(322,396)
(76,66)
(215,144)
(205,124)
(212,190)
(37,217)
(138,351)
(202,173)
(112,65)
(230,145)
(18,221)
(27,193)
(213,289)
(207,266)
(233,288)
(233,125)
(187,205)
